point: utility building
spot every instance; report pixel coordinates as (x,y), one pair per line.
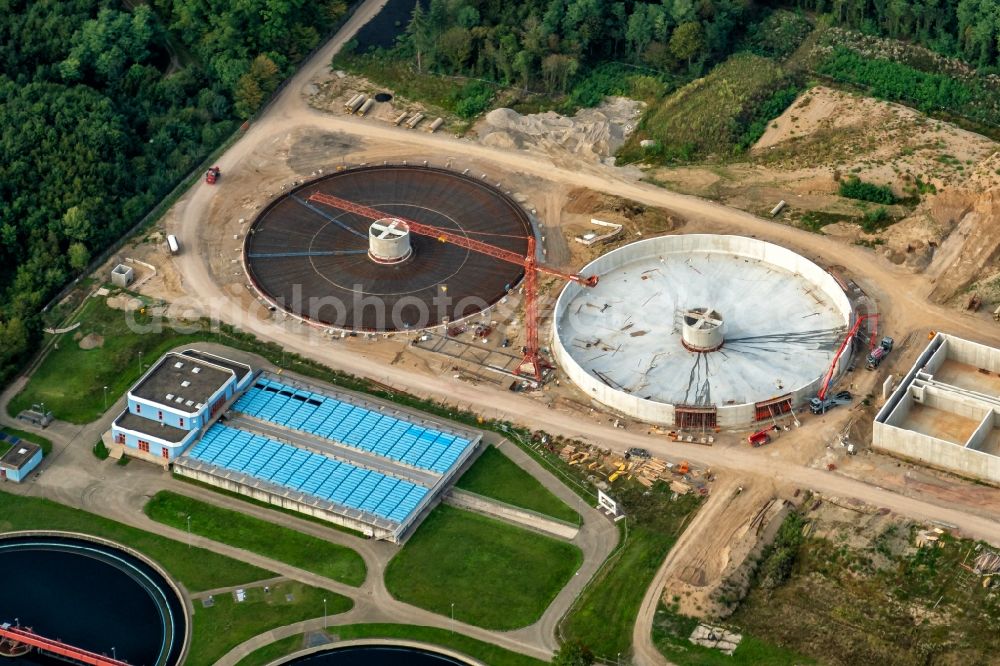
(18,462)
(175,401)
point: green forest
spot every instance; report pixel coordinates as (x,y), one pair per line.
(550,45)
(104,108)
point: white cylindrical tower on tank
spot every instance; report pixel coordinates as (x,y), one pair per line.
(702,330)
(389,241)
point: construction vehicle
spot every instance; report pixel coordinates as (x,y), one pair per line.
(761,437)
(879,353)
(533,363)
(820,401)
(212,175)
(818,406)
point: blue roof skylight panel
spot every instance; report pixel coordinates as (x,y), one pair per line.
(400,448)
(291,467)
(362,492)
(378,494)
(338,415)
(316,419)
(360,429)
(261,458)
(342,472)
(413,455)
(319,474)
(352,481)
(332,481)
(430,456)
(271,407)
(301,415)
(227,454)
(372,438)
(310,464)
(242,459)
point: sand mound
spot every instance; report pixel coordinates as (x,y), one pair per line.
(952,235)
(91,341)
(123,302)
(590,133)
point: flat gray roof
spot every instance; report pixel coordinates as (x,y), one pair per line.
(241,369)
(169,433)
(20,454)
(181,381)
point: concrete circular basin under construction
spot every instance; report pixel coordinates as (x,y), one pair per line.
(700,331)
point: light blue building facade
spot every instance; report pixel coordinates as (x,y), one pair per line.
(173,403)
(22,458)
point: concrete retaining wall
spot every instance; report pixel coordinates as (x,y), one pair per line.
(918,386)
(937,452)
(973,353)
(262,495)
(652,411)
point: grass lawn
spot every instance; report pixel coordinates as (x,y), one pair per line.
(497,576)
(497,476)
(605,613)
(219,629)
(272,651)
(29,436)
(484,652)
(195,568)
(70,381)
(671,631)
(259,536)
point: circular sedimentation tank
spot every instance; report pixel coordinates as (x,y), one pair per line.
(93,595)
(701,331)
(341,270)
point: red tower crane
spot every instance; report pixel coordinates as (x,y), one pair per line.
(532,363)
(850,336)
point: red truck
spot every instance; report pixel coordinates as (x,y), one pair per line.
(213,175)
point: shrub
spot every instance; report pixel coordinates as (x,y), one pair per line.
(778,34)
(855,188)
(472,99)
(876,219)
(100,450)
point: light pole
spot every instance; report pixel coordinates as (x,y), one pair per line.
(324,612)
(189,530)
(140,363)
(114,654)
(105,398)
(453,617)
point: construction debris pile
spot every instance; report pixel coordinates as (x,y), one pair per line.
(987,563)
(590,133)
(716,638)
(604,467)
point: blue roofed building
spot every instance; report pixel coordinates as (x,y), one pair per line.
(174,401)
(364,464)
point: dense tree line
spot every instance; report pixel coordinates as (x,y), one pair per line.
(103,109)
(968,29)
(546,44)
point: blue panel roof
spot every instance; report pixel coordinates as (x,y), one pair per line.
(310,473)
(350,425)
